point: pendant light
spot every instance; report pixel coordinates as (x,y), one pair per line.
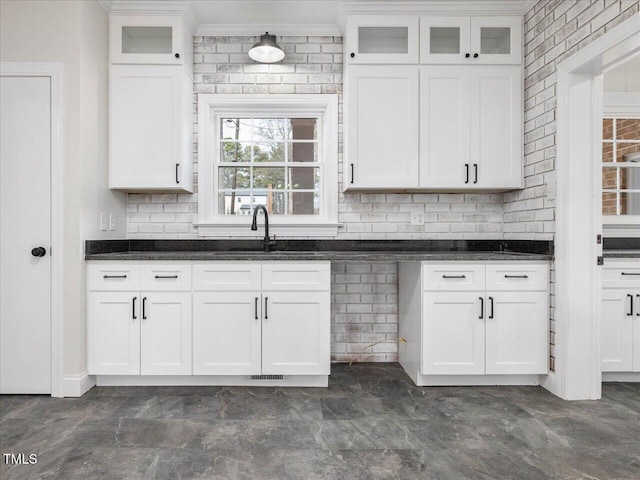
(266,50)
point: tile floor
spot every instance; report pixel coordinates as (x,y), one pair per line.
(371,423)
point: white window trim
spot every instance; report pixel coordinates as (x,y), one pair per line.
(214,106)
(621,105)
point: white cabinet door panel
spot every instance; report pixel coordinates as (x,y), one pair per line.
(113,333)
(617,331)
(296,277)
(636,332)
(376,39)
(445,40)
(517,333)
(165,347)
(496,40)
(453,333)
(295,333)
(227,333)
(453,277)
(382,119)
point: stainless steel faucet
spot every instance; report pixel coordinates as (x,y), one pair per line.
(266,242)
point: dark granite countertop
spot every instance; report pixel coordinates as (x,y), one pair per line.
(618,247)
(621,254)
(304,250)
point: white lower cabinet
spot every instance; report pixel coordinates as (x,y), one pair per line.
(473,320)
(620,318)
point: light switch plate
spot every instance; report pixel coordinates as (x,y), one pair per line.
(104,221)
(417,218)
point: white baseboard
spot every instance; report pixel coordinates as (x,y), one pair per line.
(210,380)
(621,376)
(78,385)
(475,380)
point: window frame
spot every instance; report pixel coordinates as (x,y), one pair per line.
(213,107)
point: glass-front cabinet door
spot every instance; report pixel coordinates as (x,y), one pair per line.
(381,40)
(146,39)
(471,40)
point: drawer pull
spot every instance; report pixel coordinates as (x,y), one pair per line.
(114,276)
(454,276)
(630,273)
(166,276)
(516,276)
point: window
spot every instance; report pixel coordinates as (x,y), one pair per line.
(620,168)
(279,151)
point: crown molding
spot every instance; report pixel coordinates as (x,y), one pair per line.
(256,29)
(468,7)
(147,7)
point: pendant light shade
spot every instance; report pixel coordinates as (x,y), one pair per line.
(266,50)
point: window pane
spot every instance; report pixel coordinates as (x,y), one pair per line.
(274,201)
(304,178)
(628,152)
(630,178)
(495,40)
(234,203)
(232,177)
(607,129)
(147,39)
(383,39)
(235,129)
(266,129)
(271,178)
(630,203)
(444,40)
(235,152)
(628,129)
(303,203)
(302,129)
(607,152)
(268,152)
(302,152)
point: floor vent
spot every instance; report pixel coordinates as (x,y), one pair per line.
(267,377)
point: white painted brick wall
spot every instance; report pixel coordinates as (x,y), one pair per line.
(554,30)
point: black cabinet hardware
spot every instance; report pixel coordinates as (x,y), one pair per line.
(352,173)
(491,301)
(177,179)
(516,276)
(630,273)
(177,55)
(454,276)
(166,276)
(475,55)
(467,55)
(481,308)
(134,308)
(39,252)
(638,314)
(114,276)
(256,309)
(266,316)
(353,54)
(630,297)
(600,260)
(475,173)
(466,166)
(144,305)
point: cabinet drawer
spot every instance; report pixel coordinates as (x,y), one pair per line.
(113,277)
(227,277)
(520,277)
(453,277)
(296,276)
(622,276)
(165,277)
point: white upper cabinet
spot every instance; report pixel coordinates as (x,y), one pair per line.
(471,40)
(146,39)
(382,121)
(381,39)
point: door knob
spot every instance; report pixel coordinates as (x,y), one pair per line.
(38,252)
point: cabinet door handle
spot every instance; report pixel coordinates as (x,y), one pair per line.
(133,315)
(467,55)
(454,276)
(638,297)
(177,55)
(177,167)
(352,55)
(475,55)
(256,309)
(144,304)
(266,316)
(516,276)
(491,300)
(481,308)
(630,273)
(166,276)
(630,297)
(114,276)
(352,173)
(466,166)
(475,173)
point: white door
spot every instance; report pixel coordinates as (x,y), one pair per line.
(496,127)
(165,333)
(453,333)
(25,224)
(444,127)
(295,333)
(617,330)
(113,333)
(382,119)
(517,338)
(227,333)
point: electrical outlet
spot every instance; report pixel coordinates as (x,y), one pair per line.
(104,221)
(417,218)
(112,222)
